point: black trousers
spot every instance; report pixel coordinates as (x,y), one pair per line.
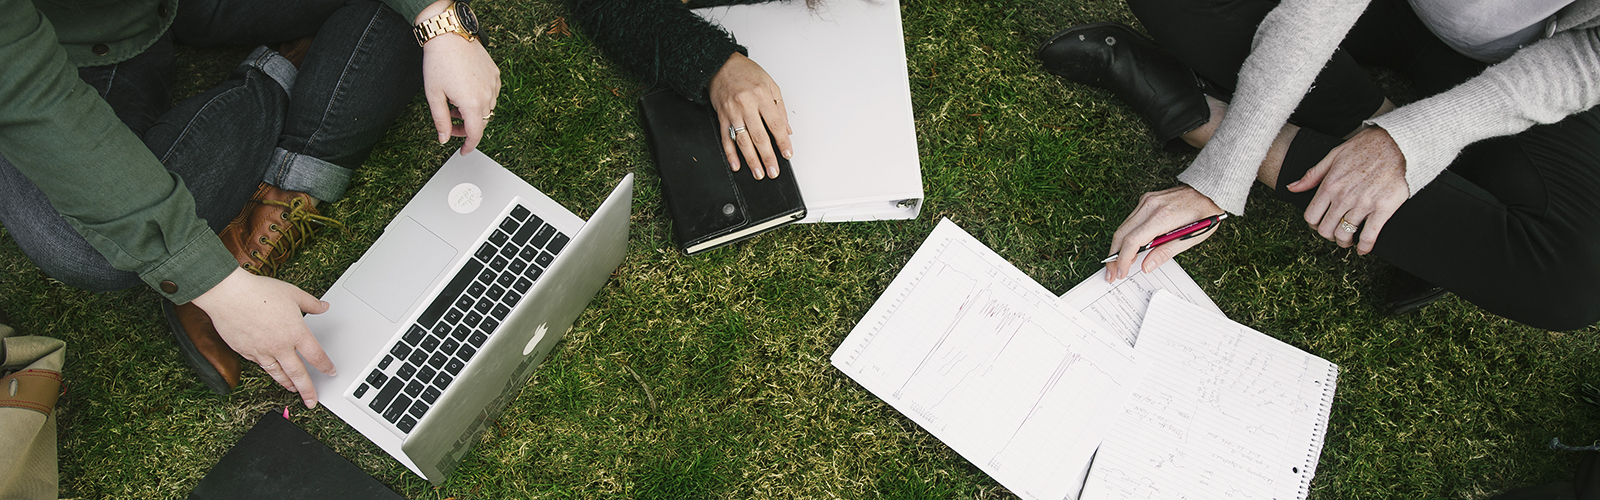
(1513,225)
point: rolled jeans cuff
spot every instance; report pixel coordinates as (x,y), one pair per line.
(275,66)
(297,172)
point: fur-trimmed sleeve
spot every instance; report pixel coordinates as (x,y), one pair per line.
(658,41)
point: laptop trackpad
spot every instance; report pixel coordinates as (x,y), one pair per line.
(399,267)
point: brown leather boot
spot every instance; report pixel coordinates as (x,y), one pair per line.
(270,228)
(267,231)
(211,359)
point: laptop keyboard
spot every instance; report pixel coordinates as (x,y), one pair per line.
(421,363)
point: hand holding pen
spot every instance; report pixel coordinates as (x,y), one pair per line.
(1194,229)
(1154,221)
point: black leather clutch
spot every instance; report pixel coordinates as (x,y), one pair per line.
(711,205)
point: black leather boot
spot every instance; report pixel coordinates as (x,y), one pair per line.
(1156,85)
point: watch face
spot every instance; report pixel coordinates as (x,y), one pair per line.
(468,20)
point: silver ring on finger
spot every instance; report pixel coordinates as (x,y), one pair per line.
(269,367)
(733,132)
(1346,226)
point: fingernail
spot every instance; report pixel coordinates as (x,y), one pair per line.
(325,303)
(333,373)
(788,154)
(311,403)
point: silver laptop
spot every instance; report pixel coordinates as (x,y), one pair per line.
(445,317)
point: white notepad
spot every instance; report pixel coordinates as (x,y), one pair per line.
(842,70)
(1226,413)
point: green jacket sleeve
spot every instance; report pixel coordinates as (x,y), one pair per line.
(409,9)
(57,131)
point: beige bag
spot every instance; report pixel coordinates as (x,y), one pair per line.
(28,390)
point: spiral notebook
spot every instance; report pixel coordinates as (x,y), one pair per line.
(1225,412)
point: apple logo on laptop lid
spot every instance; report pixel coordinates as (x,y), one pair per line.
(538,334)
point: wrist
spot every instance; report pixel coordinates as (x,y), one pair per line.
(445,17)
(216,293)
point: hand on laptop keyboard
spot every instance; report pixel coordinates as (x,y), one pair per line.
(259,318)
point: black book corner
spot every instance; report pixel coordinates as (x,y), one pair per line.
(278,461)
(710,204)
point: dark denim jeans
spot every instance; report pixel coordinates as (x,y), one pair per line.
(299,130)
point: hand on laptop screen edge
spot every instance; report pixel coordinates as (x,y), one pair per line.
(260,318)
(750,105)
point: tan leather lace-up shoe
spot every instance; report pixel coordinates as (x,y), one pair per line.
(270,228)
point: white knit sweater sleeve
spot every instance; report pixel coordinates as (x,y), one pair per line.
(1542,83)
(1291,46)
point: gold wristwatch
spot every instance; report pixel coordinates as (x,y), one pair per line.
(457,18)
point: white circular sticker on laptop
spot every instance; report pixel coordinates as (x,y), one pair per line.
(465,198)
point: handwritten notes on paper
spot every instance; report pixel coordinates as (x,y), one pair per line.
(1120,306)
(992,364)
(1027,387)
(1226,412)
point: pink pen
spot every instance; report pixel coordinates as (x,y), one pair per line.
(1195,228)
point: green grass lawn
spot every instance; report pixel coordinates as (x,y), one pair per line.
(708,377)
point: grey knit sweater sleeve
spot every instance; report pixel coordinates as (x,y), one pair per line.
(1541,83)
(659,41)
(1291,46)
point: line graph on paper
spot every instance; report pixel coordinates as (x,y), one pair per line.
(992,364)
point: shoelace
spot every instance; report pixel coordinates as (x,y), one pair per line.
(301,224)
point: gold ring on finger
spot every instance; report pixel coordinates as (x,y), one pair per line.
(733,132)
(488,116)
(1347,226)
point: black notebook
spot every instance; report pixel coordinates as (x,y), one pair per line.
(711,205)
(278,461)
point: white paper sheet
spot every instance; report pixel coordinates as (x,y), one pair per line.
(1120,306)
(992,364)
(842,70)
(1226,412)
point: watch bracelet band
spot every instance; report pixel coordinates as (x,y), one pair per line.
(445,22)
